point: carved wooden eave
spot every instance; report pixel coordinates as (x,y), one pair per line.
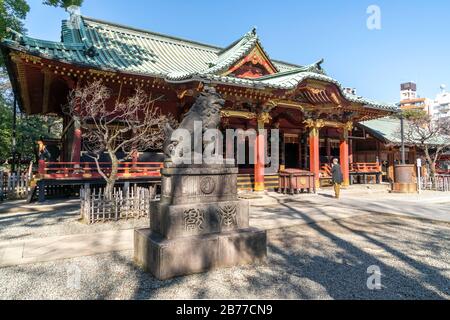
(256,57)
(347,126)
(48,78)
(289,104)
(239,94)
(19,59)
(247,115)
(65,69)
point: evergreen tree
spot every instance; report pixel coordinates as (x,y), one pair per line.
(29,128)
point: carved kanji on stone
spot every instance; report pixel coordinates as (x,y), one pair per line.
(228,215)
(193,219)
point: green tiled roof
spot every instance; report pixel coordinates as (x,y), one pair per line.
(120,48)
(388,130)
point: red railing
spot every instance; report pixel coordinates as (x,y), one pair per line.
(361,167)
(325,171)
(88,170)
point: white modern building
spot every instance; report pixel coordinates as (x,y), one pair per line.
(440,106)
(408,91)
(410,100)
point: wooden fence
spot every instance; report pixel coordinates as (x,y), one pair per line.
(14,185)
(439,183)
(125,203)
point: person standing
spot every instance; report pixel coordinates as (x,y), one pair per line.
(337,176)
(43,153)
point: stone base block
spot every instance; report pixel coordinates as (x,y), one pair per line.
(166,259)
(186,220)
(404,188)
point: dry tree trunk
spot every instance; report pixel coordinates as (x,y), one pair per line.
(432,163)
(112,178)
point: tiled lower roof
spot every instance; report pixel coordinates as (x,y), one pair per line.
(388,129)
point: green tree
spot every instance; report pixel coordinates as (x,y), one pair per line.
(63,3)
(428,135)
(13,12)
(29,128)
(414,115)
(6,116)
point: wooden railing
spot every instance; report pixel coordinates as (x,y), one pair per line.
(362,167)
(88,170)
(325,171)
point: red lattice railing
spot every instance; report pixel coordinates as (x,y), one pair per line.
(88,170)
(362,167)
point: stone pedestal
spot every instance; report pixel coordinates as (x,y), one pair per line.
(199,224)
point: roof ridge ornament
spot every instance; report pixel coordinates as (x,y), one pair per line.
(75,16)
(319,63)
(315,67)
(91,52)
(16,35)
(252,34)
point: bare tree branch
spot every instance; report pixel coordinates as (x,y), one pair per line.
(111,126)
(428,135)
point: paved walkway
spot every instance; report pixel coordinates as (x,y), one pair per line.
(271,211)
(278,211)
(64,247)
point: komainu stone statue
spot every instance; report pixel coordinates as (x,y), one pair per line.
(205,110)
(199,223)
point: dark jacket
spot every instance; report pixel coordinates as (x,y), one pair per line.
(45,155)
(336,174)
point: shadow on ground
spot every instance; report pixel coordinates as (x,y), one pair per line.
(329,261)
(325,260)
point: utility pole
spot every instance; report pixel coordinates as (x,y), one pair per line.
(402,125)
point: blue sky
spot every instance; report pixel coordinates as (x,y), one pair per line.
(412,44)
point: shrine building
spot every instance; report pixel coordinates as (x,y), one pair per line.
(315,114)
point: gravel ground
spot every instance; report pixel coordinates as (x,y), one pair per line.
(322,261)
(40,221)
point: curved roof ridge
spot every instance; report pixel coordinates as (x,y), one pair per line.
(234,53)
(280,74)
(308,68)
(249,34)
(27,41)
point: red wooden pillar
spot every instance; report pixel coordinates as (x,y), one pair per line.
(350,151)
(263,118)
(230,155)
(314,148)
(314,157)
(76,146)
(259,163)
(344,154)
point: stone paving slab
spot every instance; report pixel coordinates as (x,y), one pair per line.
(289,214)
(64,247)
